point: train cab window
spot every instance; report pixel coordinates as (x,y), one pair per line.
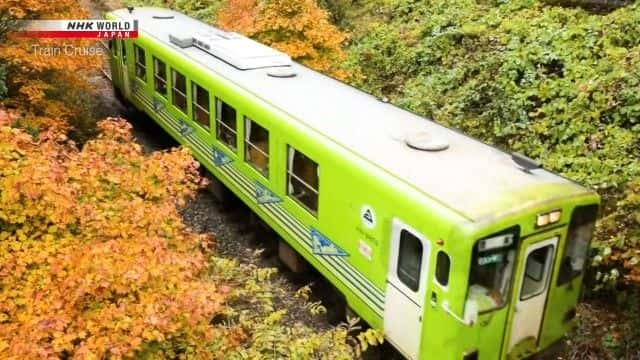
(492,265)
(410,260)
(160,76)
(257,146)
(577,243)
(443,267)
(179,91)
(226,128)
(141,67)
(200,105)
(302,180)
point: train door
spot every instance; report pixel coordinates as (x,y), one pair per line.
(124,73)
(531,294)
(406,288)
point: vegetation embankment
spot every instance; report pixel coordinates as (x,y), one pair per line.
(95,260)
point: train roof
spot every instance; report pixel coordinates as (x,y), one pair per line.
(468,176)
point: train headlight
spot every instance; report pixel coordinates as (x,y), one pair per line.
(554,216)
(543,220)
(548,218)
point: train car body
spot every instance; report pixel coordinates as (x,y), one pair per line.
(454,249)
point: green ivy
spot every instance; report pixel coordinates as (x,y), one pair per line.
(559,84)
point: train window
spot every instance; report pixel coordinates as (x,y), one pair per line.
(443,266)
(257,146)
(492,267)
(113,48)
(200,105)
(302,180)
(141,67)
(577,243)
(410,260)
(160,76)
(179,93)
(226,123)
(536,272)
(123,46)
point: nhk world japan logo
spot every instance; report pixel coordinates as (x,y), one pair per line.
(79,29)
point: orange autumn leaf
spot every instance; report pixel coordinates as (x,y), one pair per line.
(299,28)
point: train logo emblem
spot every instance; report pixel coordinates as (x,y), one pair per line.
(157,105)
(219,157)
(264,195)
(368,217)
(323,246)
(185,129)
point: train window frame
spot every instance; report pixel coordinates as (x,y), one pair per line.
(415,284)
(291,175)
(174,75)
(249,125)
(113,48)
(123,51)
(443,284)
(510,252)
(221,123)
(140,67)
(544,277)
(157,77)
(195,105)
(587,219)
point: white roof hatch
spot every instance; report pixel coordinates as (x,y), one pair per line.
(234,49)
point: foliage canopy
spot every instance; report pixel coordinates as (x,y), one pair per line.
(558,84)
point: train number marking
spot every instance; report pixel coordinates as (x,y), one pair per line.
(365,250)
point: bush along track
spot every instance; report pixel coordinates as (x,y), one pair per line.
(95,259)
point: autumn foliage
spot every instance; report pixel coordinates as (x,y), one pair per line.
(50,91)
(94,258)
(299,28)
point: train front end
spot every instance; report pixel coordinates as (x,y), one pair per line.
(523,278)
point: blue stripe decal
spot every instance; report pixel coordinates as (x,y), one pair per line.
(346,273)
(304,234)
(323,246)
(337,263)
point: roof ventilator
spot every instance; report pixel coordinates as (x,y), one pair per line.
(234,49)
(524,163)
(426,141)
(282,72)
(163,16)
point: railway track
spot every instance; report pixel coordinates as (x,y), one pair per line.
(105,72)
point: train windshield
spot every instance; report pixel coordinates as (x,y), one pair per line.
(491,271)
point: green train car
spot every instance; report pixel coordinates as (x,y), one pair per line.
(455,249)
